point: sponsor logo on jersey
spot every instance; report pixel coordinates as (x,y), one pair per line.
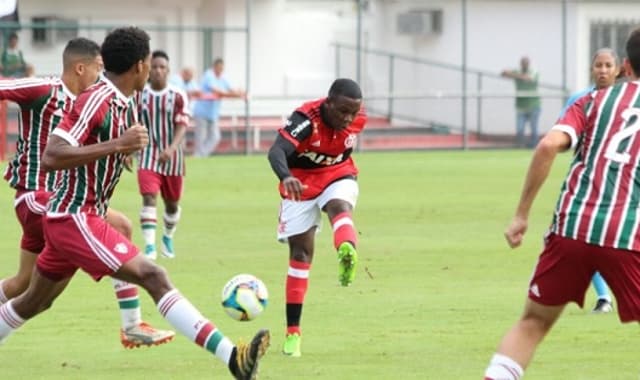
(322,159)
(350,140)
(296,131)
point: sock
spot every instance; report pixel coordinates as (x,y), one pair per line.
(503,367)
(343,230)
(187,320)
(601,286)
(9,320)
(129,302)
(296,288)
(3,297)
(148,223)
(170,222)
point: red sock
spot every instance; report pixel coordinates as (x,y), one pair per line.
(296,288)
(343,229)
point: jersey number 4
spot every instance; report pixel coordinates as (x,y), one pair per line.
(631,118)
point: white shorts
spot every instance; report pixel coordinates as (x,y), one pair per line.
(298,217)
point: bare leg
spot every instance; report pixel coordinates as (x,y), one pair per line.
(14,286)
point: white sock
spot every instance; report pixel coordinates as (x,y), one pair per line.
(129,303)
(503,367)
(148,223)
(3,297)
(9,321)
(187,320)
(170,222)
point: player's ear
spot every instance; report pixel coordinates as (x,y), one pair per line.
(80,68)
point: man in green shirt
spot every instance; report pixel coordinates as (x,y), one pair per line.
(527,104)
(13,64)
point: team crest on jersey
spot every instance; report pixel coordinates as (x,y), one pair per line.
(121,248)
(350,140)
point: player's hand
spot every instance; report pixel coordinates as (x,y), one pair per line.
(293,188)
(515,231)
(133,139)
(165,155)
(128,163)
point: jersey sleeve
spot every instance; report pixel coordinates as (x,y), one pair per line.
(24,91)
(182,113)
(297,128)
(86,116)
(574,121)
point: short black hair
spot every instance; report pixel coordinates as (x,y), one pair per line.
(124,47)
(80,47)
(633,50)
(159,53)
(13,35)
(345,87)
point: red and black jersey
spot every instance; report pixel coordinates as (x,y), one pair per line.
(323,154)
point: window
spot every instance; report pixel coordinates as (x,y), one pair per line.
(611,34)
(52,29)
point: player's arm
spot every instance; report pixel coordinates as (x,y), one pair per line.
(24,91)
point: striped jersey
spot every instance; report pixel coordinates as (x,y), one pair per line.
(100,113)
(43,102)
(161,112)
(599,201)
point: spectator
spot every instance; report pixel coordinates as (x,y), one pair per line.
(213,87)
(13,64)
(186,83)
(528,105)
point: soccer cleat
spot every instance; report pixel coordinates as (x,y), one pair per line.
(347,260)
(144,334)
(602,306)
(243,363)
(150,251)
(167,247)
(292,345)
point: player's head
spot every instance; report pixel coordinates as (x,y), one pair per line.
(126,51)
(218,66)
(159,69)
(632,62)
(343,103)
(81,62)
(524,63)
(605,67)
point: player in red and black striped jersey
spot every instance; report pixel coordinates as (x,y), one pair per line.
(164,110)
(43,103)
(312,159)
(90,146)
(596,222)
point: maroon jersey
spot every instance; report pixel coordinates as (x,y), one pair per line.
(42,101)
(600,196)
(323,154)
(101,113)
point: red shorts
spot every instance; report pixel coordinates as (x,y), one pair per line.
(150,182)
(82,241)
(565,268)
(31,206)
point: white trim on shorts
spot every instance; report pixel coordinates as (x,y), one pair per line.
(297,217)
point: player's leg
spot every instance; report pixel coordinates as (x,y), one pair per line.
(134,332)
(242,360)
(518,345)
(297,225)
(171,191)
(30,208)
(338,201)
(562,275)
(38,297)
(149,184)
(603,304)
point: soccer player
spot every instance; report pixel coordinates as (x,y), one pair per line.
(595,223)
(312,158)
(605,67)
(43,103)
(164,110)
(89,146)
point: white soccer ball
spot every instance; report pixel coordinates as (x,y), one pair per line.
(244,297)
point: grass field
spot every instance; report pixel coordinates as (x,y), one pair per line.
(441,289)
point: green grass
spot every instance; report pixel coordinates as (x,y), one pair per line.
(436,288)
